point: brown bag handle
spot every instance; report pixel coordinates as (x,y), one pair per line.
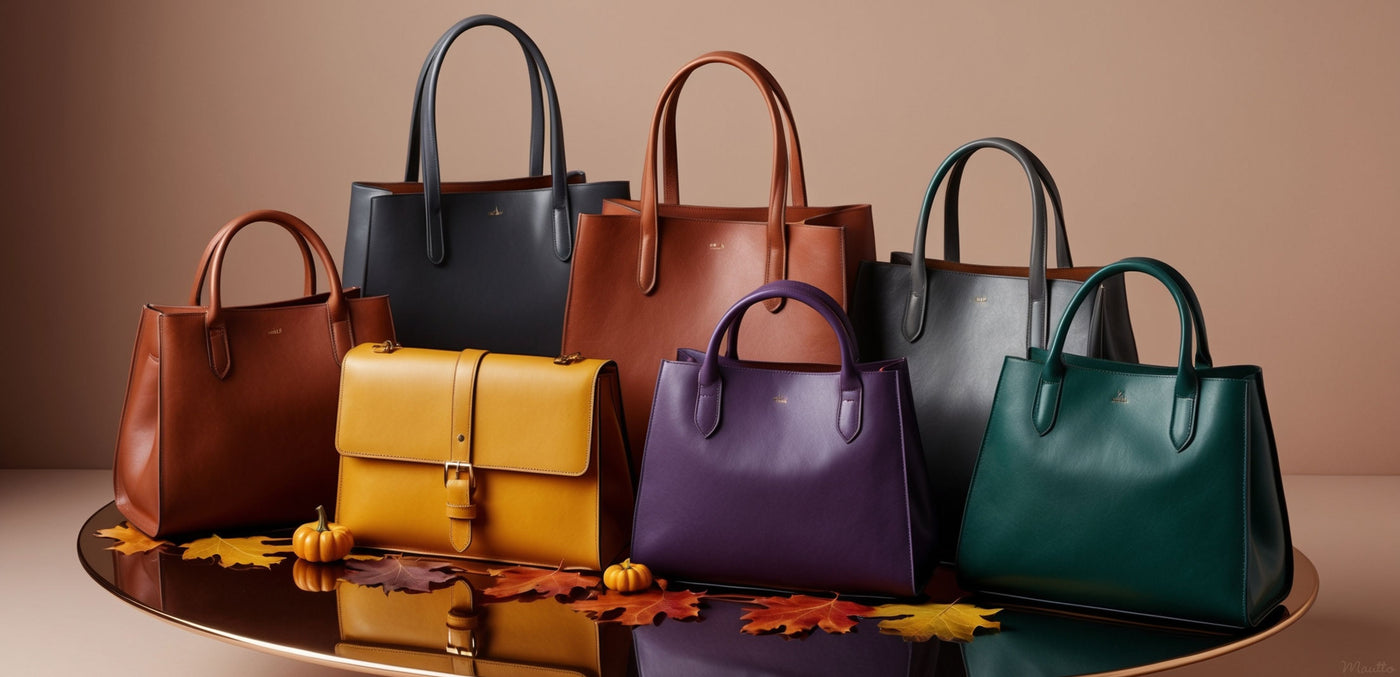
(308,264)
(670,173)
(776,264)
(337,312)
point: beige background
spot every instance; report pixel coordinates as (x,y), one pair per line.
(1251,144)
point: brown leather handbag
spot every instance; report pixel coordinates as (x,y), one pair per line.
(229,419)
(653,275)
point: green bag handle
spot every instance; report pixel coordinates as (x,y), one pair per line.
(1187,391)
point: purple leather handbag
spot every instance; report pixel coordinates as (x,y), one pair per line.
(788,476)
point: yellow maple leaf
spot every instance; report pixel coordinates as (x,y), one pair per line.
(948,622)
(130,540)
(251,550)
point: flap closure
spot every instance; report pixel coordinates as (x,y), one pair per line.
(490,410)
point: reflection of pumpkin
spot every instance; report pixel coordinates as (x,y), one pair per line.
(313,577)
(320,541)
(627,577)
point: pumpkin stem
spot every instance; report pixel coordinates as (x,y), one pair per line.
(627,563)
(321,518)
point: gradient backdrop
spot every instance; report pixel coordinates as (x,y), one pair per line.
(1252,144)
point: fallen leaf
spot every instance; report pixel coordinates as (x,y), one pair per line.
(641,608)
(948,622)
(799,614)
(251,550)
(130,540)
(410,574)
(514,581)
(363,556)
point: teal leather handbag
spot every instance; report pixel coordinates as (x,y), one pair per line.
(1130,488)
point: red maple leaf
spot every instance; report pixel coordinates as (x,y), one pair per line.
(410,574)
(641,608)
(514,581)
(799,614)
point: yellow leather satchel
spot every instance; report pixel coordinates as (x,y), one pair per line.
(454,631)
(497,457)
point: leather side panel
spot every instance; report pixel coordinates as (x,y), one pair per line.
(136,468)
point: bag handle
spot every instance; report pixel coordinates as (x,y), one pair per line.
(432,179)
(308,264)
(670,173)
(410,173)
(337,311)
(1187,389)
(1038,304)
(952,246)
(731,340)
(708,403)
(775,267)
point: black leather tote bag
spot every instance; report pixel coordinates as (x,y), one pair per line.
(474,264)
(955,322)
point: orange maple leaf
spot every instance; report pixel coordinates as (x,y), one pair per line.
(641,608)
(800,614)
(514,581)
(130,540)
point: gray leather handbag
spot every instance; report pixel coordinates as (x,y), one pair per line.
(955,322)
(474,264)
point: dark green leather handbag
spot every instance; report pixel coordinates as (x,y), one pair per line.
(1130,488)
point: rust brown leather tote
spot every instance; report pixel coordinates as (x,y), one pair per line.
(229,419)
(653,275)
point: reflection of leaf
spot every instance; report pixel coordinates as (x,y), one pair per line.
(411,574)
(641,608)
(948,622)
(799,614)
(253,550)
(521,580)
(130,540)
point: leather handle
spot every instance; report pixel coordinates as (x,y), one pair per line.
(731,340)
(1187,387)
(432,179)
(710,385)
(1038,303)
(410,173)
(308,265)
(337,311)
(775,267)
(952,244)
(670,173)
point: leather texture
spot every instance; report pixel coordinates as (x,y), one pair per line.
(474,264)
(955,322)
(508,458)
(1131,488)
(653,275)
(716,647)
(457,631)
(247,392)
(787,476)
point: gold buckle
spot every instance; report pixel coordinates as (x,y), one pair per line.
(469,652)
(566,360)
(456,468)
(388,346)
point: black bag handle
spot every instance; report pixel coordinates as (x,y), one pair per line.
(1038,305)
(432,179)
(952,249)
(410,172)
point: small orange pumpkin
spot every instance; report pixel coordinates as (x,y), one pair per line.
(313,577)
(627,577)
(322,541)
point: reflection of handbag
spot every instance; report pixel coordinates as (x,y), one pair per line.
(454,631)
(955,322)
(785,475)
(499,457)
(717,647)
(492,269)
(654,274)
(229,418)
(1148,490)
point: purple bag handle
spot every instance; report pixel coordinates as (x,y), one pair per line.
(709,400)
(732,342)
